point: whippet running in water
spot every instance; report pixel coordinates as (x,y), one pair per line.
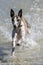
(20,28)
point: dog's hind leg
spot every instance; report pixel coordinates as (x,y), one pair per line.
(14,43)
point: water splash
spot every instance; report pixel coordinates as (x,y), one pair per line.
(36,28)
(35,32)
(5,32)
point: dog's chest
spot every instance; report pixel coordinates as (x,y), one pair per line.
(19,35)
(21,32)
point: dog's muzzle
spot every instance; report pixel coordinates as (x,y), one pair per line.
(19,26)
(15,26)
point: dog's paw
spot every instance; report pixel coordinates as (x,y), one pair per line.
(18,44)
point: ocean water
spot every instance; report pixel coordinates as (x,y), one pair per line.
(31,52)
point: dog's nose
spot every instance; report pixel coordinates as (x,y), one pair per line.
(14,26)
(19,25)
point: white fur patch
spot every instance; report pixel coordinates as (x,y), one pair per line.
(23,30)
(15,22)
(14,40)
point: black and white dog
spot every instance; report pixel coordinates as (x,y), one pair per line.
(20,28)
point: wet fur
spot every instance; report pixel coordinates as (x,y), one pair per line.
(18,33)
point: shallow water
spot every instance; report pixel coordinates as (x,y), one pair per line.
(31,52)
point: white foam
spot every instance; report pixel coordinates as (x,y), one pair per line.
(36,31)
(5,32)
(30,43)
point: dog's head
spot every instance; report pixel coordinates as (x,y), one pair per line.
(16,19)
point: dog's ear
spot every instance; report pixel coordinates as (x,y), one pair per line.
(20,13)
(12,13)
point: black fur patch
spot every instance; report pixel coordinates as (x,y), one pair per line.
(13,49)
(11,13)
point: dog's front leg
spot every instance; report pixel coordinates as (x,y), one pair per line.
(14,40)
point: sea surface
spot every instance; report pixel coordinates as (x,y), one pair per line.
(31,52)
